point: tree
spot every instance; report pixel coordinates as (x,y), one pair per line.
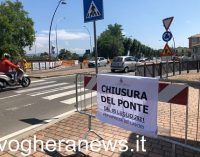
(16,29)
(110,42)
(44,55)
(66,54)
(127,42)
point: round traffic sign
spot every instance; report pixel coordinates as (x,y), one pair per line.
(167,36)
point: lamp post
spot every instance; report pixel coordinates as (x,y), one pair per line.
(60,2)
(35,42)
(57,35)
(90,38)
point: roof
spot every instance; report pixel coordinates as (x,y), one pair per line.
(195,36)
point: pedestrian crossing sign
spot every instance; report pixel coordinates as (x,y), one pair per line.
(93,10)
(166,51)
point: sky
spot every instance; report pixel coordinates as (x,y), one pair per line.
(140,19)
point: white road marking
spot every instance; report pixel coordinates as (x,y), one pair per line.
(37,81)
(51,97)
(12,109)
(42,87)
(27,105)
(10,96)
(42,83)
(80,98)
(34,126)
(50,91)
(57,77)
(17,108)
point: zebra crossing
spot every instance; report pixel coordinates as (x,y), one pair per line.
(63,92)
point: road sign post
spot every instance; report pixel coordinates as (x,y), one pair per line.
(167,36)
(93,10)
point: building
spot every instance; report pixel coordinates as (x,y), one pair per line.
(194,46)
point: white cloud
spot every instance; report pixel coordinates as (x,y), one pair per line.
(42,40)
(66,35)
(77,50)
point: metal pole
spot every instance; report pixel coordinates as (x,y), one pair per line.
(167,66)
(198,117)
(57,35)
(35,43)
(51,26)
(95,45)
(90,38)
(173,41)
(186,124)
(56,41)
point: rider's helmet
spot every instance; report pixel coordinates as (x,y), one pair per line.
(6,55)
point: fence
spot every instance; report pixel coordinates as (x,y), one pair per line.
(42,65)
(178,111)
(163,69)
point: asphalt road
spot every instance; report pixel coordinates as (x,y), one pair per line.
(43,100)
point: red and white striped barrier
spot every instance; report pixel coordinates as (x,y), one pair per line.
(170,93)
(90,82)
(173,93)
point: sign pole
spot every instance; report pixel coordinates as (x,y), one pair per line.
(95,46)
(93,10)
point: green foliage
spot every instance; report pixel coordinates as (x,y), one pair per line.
(16,29)
(112,43)
(65,54)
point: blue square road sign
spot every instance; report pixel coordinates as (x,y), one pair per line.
(93,10)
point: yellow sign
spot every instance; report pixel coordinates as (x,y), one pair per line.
(28,65)
(167,51)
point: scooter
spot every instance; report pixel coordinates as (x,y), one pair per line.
(14,79)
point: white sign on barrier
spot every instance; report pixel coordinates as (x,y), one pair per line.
(35,65)
(42,65)
(129,102)
(47,65)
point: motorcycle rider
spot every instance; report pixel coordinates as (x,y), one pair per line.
(6,64)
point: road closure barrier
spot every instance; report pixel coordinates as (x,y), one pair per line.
(124,102)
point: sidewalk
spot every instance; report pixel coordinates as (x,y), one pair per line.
(59,72)
(75,125)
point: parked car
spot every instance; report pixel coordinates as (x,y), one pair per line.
(143,59)
(123,63)
(101,61)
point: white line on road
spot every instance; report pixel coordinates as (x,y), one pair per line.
(51,97)
(42,83)
(37,81)
(38,88)
(17,108)
(50,91)
(80,98)
(57,77)
(10,96)
(12,109)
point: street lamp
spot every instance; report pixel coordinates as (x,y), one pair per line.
(60,2)
(90,38)
(35,42)
(56,34)
(173,42)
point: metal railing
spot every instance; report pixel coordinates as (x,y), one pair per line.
(181,126)
(165,69)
